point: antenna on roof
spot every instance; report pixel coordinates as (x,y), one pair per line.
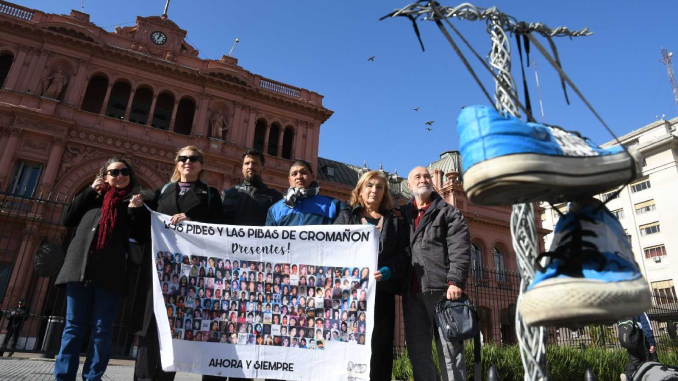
(166,7)
(233,47)
(82,5)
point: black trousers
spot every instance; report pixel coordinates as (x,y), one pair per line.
(381,363)
(11,332)
(148,367)
(637,356)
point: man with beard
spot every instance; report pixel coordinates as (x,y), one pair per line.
(441,253)
(247,203)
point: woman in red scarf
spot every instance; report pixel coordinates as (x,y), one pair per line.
(94,271)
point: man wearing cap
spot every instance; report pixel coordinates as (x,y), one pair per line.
(15,320)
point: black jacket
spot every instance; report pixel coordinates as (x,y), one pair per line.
(441,245)
(194,204)
(15,319)
(393,246)
(247,203)
(105,268)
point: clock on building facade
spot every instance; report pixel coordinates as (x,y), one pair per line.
(158,38)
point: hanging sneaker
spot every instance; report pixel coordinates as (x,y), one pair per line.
(592,277)
(508,161)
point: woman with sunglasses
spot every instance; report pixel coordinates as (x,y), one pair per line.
(185,198)
(96,265)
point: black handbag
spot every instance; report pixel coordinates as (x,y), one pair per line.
(457,319)
(48,260)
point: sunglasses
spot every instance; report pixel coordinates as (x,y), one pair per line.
(116,172)
(192,159)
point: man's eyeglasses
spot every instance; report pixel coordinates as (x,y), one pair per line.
(192,159)
(117,172)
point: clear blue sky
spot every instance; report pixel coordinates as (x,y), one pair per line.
(324,46)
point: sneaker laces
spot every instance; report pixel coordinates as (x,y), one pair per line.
(576,251)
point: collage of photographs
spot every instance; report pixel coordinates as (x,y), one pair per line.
(263,303)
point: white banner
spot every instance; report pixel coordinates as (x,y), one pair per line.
(287,303)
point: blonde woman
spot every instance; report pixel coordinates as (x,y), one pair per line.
(185,198)
(371,204)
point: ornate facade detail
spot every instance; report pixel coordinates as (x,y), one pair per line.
(52,86)
(35,145)
(39,125)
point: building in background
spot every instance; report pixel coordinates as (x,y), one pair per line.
(647,208)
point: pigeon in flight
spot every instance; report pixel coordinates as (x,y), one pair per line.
(429,129)
(371,58)
(430,122)
(416,108)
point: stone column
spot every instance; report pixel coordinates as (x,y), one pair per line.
(308,154)
(268,133)
(174,115)
(108,95)
(200,121)
(128,110)
(39,72)
(34,55)
(17,287)
(249,142)
(12,142)
(14,71)
(235,124)
(53,164)
(315,139)
(293,151)
(280,141)
(78,83)
(149,120)
(4,137)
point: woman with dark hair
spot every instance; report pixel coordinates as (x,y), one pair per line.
(185,198)
(96,266)
(371,205)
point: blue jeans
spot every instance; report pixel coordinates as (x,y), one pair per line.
(85,304)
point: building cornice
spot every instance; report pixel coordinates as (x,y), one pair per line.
(160,66)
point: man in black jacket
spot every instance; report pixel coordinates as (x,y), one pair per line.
(15,320)
(247,203)
(441,254)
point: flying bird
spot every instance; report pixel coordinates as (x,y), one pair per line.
(416,108)
(371,58)
(429,129)
(430,122)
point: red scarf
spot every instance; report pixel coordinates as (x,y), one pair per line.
(109,213)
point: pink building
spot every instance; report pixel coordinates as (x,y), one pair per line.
(74,94)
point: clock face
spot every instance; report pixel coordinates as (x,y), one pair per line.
(158,38)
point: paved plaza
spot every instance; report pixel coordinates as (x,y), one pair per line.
(29,368)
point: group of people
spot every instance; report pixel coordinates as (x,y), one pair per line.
(424,255)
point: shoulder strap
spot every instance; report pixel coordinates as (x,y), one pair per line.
(209,196)
(164,187)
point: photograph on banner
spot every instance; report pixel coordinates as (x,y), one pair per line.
(286,302)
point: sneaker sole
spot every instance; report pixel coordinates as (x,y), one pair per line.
(567,302)
(518,178)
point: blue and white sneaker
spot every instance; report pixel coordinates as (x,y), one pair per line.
(592,277)
(507,161)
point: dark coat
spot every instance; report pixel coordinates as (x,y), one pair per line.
(247,204)
(15,319)
(441,245)
(105,268)
(195,205)
(394,247)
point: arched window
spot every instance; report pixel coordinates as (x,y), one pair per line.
(499,266)
(476,261)
(6,59)
(95,94)
(163,111)
(273,138)
(288,138)
(117,102)
(184,120)
(141,105)
(259,135)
